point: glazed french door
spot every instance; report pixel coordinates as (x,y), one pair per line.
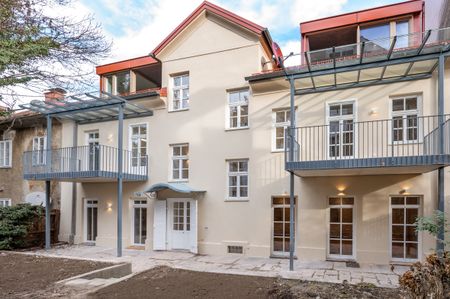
(93,150)
(139,222)
(341,134)
(181,223)
(281,225)
(91,214)
(404,238)
(341,232)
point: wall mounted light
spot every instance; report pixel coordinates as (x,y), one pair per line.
(341,193)
(373,111)
(109,206)
(403,191)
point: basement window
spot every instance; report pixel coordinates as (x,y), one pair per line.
(235,249)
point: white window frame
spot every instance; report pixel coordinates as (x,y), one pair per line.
(90,203)
(419,234)
(238,105)
(39,150)
(354,236)
(3,145)
(404,114)
(276,125)
(179,88)
(353,117)
(5,202)
(130,143)
(179,160)
(238,175)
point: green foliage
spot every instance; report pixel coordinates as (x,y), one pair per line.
(37,46)
(14,224)
(432,225)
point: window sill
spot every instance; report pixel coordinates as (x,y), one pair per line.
(5,167)
(275,151)
(178,110)
(236,129)
(244,199)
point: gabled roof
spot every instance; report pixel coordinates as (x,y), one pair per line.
(255,28)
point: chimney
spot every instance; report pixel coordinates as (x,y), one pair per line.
(54,94)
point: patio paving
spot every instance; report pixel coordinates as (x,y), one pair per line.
(323,271)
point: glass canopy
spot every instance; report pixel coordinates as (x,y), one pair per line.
(88,107)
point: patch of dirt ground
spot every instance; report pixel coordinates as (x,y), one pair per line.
(31,275)
(165,282)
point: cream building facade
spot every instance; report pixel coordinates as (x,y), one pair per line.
(214,145)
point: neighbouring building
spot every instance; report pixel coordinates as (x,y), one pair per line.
(206,121)
(25,132)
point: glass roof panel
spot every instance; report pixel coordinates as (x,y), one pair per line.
(407,45)
(420,67)
(347,77)
(396,70)
(370,74)
(324,80)
(303,83)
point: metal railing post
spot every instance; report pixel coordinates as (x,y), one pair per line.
(119,180)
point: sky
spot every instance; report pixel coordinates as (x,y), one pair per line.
(137,26)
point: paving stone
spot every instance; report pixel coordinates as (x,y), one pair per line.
(370,280)
(77,282)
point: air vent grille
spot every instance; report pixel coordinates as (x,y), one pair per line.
(235,249)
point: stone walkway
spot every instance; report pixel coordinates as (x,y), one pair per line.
(323,271)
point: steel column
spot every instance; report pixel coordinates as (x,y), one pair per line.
(47,184)
(441,174)
(119,180)
(291,178)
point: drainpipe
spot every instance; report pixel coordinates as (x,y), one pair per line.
(47,184)
(291,177)
(73,222)
(119,181)
(441,174)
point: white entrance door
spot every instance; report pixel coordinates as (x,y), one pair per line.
(90,223)
(93,150)
(340,231)
(182,224)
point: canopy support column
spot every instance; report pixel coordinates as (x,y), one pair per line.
(441,173)
(119,180)
(73,222)
(291,177)
(47,184)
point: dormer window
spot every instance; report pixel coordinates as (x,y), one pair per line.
(123,83)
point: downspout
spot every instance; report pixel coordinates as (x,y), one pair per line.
(291,176)
(441,173)
(73,220)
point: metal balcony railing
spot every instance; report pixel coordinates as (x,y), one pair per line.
(83,162)
(401,141)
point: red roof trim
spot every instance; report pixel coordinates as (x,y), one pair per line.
(366,15)
(216,10)
(125,64)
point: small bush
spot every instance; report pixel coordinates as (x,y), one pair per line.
(14,224)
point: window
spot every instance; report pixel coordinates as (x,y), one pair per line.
(341,130)
(341,227)
(281,122)
(180,162)
(180,96)
(379,34)
(123,83)
(238,179)
(281,225)
(182,216)
(39,146)
(108,81)
(138,139)
(404,239)
(5,153)
(238,109)
(402,31)
(5,202)
(405,114)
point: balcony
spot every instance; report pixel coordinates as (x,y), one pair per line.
(97,163)
(409,144)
